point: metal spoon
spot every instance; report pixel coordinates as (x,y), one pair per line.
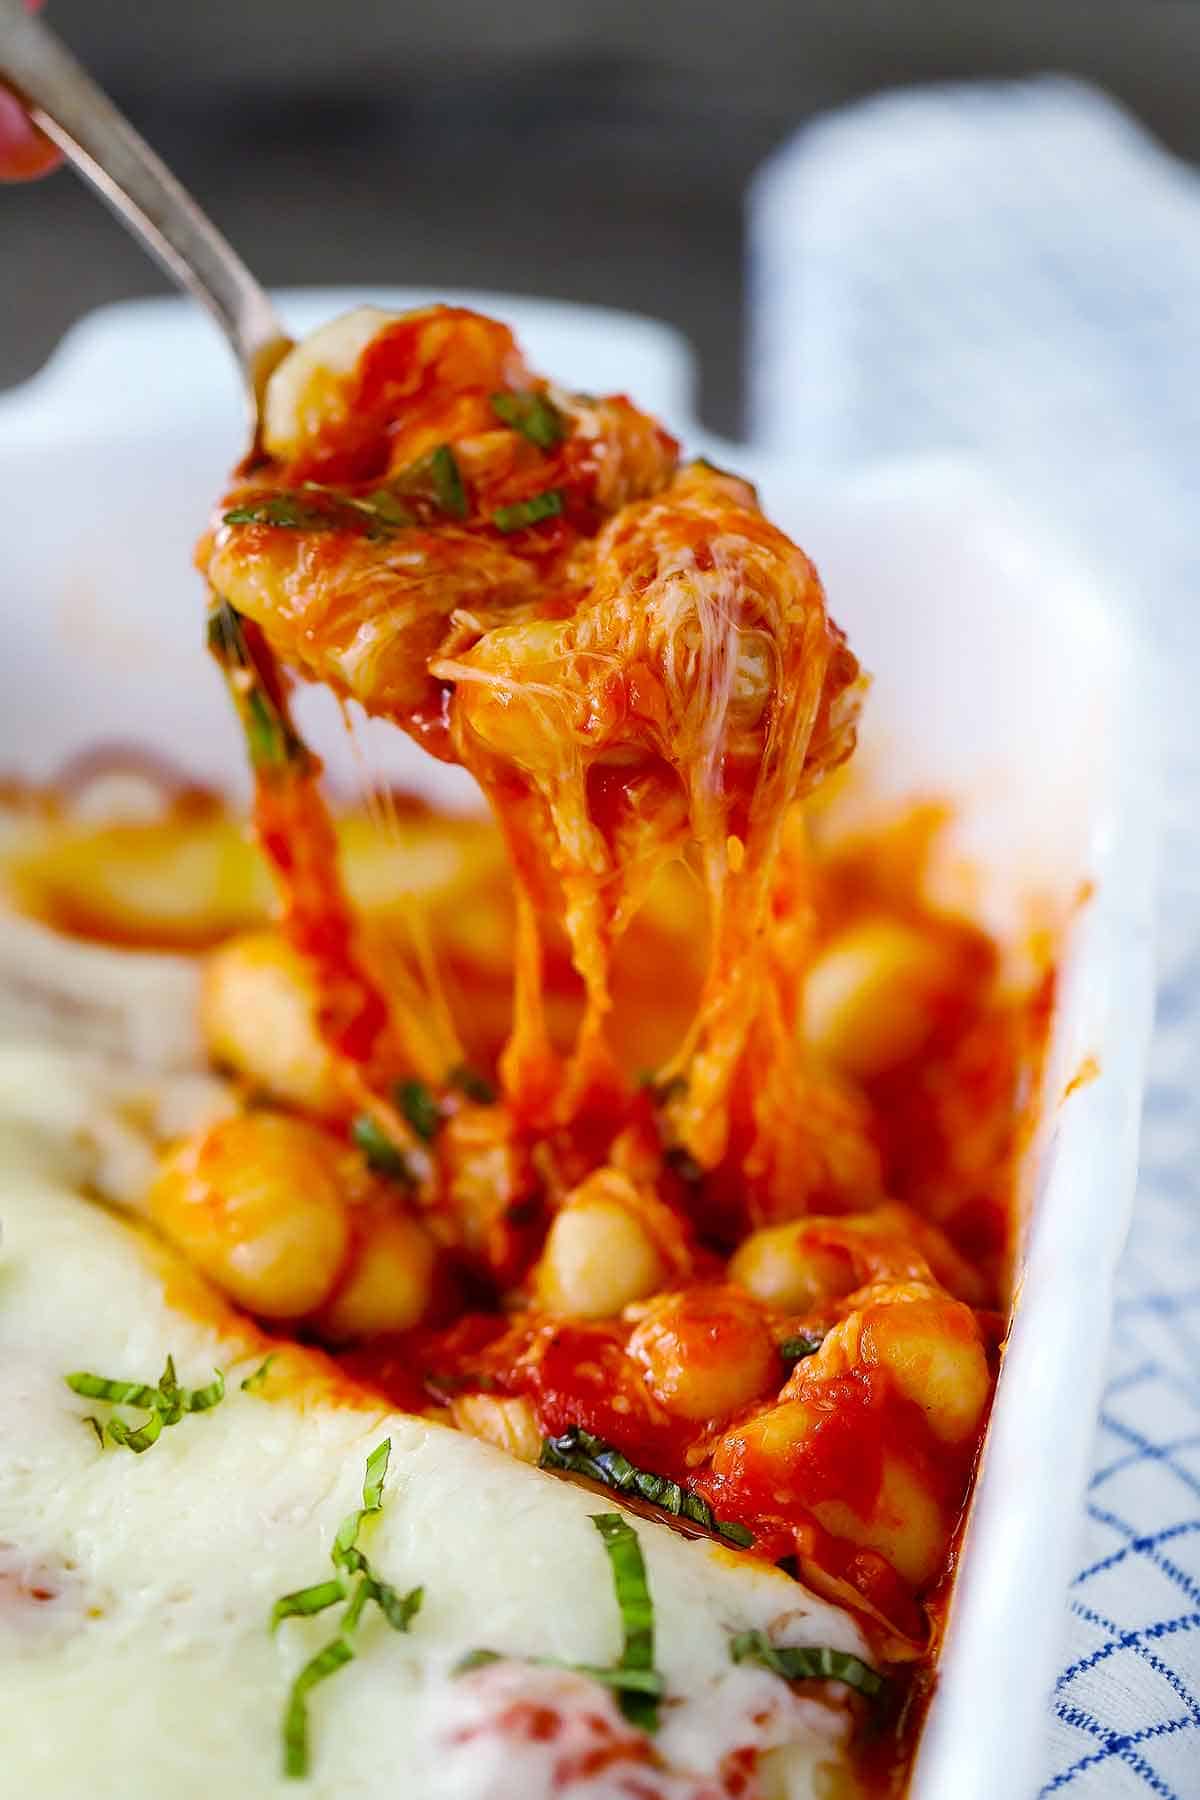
(78,116)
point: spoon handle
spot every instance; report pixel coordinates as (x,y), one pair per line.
(78,116)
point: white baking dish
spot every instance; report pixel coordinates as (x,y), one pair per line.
(1002,681)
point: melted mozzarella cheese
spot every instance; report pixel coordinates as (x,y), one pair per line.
(135,1659)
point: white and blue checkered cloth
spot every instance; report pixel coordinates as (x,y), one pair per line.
(1014,271)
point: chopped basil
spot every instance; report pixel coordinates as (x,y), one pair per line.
(307,1601)
(265,737)
(328,510)
(795,1349)
(434,479)
(579,1452)
(630,1681)
(375,1475)
(419,1108)
(136,1438)
(675,1156)
(222,631)
(398,1609)
(529,512)
(173,1406)
(382,506)
(326,1662)
(476,1659)
(380,511)
(165,1404)
(806,1662)
(637,1615)
(258,1379)
(448,482)
(119,1393)
(438,479)
(205,1398)
(470,1082)
(384,1157)
(271,738)
(637,1683)
(291,512)
(533,415)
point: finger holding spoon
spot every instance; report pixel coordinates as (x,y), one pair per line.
(25,154)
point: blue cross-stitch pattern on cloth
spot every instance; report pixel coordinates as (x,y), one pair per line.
(1127,1703)
(1013,271)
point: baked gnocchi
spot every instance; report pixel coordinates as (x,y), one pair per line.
(641,1133)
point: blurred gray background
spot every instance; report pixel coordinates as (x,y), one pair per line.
(576,148)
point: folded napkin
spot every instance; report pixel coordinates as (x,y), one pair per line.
(1013,270)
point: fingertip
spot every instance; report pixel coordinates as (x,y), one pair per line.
(24,153)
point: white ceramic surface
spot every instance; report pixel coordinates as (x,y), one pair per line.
(1001,681)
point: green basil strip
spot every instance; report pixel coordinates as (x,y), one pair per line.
(448,482)
(476,1659)
(580,1452)
(304,1602)
(295,1719)
(419,1107)
(266,739)
(795,1349)
(529,512)
(165,1404)
(172,1401)
(637,1683)
(344,1553)
(533,415)
(136,1438)
(384,1157)
(629,1681)
(121,1393)
(636,1609)
(375,1476)
(470,1082)
(258,1379)
(437,478)
(288,511)
(271,739)
(224,635)
(381,513)
(382,506)
(205,1398)
(398,1609)
(632,1590)
(806,1662)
